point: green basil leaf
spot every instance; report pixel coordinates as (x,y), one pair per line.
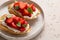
(24,25)
(18,24)
(30,10)
(17,7)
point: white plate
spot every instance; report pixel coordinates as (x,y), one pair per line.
(36,25)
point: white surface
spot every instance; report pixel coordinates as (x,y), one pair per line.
(51,10)
(2,1)
(36,26)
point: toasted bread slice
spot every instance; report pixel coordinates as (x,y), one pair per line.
(4,28)
(13,11)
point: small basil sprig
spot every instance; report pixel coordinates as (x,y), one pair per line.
(18,24)
(30,10)
(24,25)
(17,7)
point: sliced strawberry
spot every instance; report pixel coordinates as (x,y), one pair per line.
(8,20)
(13,25)
(22,29)
(16,4)
(30,15)
(21,11)
(25,13)
(21,21)
(22,5)
(9,24)
(16,19)
(25,22)
(32,6)
(26,5)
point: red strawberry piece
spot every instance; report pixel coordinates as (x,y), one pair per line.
(25,22)
(22,29)
(21,21)
(30,15)
(8,20)
(22,5)
(9,24)
(21,11)
(32,6)
(16,4)
(13,25)
(26,5)
(25,13)
(16,19)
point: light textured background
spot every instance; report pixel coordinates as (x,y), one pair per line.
(51,29)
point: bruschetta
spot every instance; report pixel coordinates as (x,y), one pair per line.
(24,10)
(13,24)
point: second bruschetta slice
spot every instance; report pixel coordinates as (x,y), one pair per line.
(23,9)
